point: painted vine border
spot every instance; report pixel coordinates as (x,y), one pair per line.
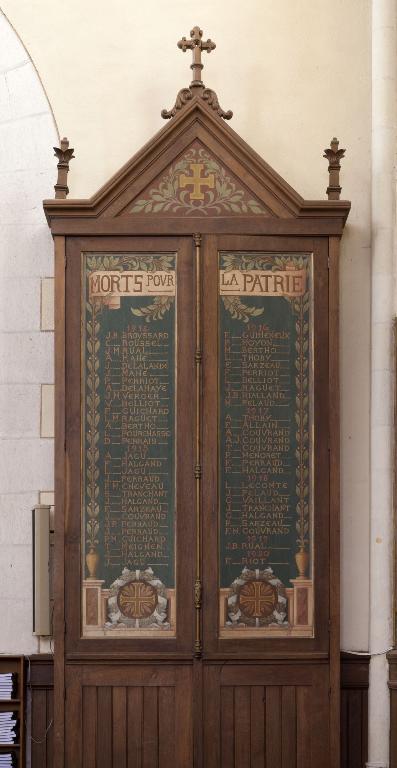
(92,421)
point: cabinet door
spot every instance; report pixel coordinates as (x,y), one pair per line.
(129,435)
(266,536)
(265,446)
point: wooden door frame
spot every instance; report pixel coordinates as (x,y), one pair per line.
(62,469)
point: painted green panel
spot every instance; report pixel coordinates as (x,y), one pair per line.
(264,435)
(128,420)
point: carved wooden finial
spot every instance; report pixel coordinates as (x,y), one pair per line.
(64,155)
(196,88)
(196,44)
(334,156)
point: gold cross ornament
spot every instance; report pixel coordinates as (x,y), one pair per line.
(197,181)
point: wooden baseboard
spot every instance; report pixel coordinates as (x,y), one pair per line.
(392,657)
(40,683)
(354,709)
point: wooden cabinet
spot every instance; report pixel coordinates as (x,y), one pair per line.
(197,461)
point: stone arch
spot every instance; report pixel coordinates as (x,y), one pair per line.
(27,174)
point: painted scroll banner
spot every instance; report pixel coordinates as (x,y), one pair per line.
(128,442)
(255,282)
(265,525)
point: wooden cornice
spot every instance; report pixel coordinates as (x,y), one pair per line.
(196,121)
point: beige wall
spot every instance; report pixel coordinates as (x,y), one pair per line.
(295,73)
(27,132)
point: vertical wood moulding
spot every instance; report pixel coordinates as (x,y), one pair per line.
(334,437)
(197,471)
(73,745)
(60,491)
(354,709)
(39,671)
(392,656)
(394,366)
(197,712)
(393,708)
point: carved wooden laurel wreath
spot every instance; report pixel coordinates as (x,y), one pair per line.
(138,599)
(257,599)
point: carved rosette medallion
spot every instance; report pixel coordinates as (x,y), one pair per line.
(257,599)
(138,599)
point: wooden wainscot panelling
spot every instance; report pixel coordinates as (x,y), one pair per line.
(354,709)
(251,701)
(265,715)
(392,656)
(131,716)
(39,738)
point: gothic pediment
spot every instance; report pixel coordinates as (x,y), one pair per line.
(196,166)
(197,184)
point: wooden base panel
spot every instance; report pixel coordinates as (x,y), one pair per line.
(354,710)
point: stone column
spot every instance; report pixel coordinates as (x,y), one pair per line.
(382,310)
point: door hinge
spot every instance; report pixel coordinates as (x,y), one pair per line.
(198,594)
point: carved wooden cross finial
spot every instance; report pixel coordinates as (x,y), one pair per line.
(64,155)
(196,88)
(334,155)
(196,44)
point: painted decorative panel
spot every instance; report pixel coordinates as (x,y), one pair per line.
(197,183)
(128,440)
(265,444)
